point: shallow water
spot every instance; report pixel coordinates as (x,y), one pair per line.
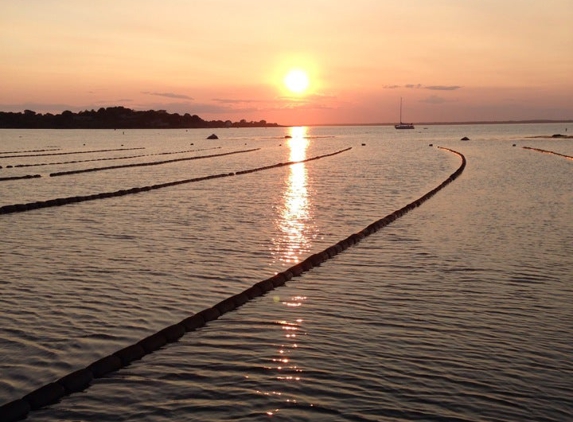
(460,310)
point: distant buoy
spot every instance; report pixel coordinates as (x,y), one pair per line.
(363,145)
(513,144)
(431,145)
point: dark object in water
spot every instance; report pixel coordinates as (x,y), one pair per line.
(513,144)
(212,136)
(431,145)
(288,136)
(558,135)
(403,125)
(465,138)
(363,145)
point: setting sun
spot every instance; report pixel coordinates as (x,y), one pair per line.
(297,81)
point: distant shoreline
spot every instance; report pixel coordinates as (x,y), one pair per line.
(556,136)
(479,122)
(117,118)
(125,118)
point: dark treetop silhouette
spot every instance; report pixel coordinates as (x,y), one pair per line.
(116,118)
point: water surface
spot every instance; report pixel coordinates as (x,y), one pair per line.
(460,310)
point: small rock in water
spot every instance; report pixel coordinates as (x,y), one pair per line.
(465,138)
(212,136)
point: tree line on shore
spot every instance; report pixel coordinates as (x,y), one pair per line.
(116,118)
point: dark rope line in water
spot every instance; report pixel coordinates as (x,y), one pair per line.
(73,152)
(112,158)
(8,209)
(30,150)
(549,152)
(82,378)
(153,163)
(28,176)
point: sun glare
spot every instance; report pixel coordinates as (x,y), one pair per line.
(297,81)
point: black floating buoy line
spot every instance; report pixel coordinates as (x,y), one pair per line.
(82,378)
(71,152)
(152,163)
(30,150)
(545,151)
(28,176)
(14,208)
(112,158)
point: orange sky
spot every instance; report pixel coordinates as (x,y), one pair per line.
(451,60)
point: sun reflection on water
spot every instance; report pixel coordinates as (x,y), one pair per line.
(283,367)
(295,216)
(294,222)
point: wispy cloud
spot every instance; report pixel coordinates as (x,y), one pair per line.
(112,103)
(434,99)
(420,86)
(306,99)
(169,95)
(57,108)
(183,107)
(443,87)
(237,101)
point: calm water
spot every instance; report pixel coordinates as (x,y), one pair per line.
(462,310)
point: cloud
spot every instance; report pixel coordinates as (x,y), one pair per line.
(169,95)
(281,103)
(57,108)
(420,86)
(113,103)
(181,107)
(434,99)
(237,101)
(443,87)
(306,99)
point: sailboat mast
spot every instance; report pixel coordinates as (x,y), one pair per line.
(403,125)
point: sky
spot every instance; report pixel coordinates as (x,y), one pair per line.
(450,60)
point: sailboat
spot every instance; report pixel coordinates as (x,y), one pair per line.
(403,125)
